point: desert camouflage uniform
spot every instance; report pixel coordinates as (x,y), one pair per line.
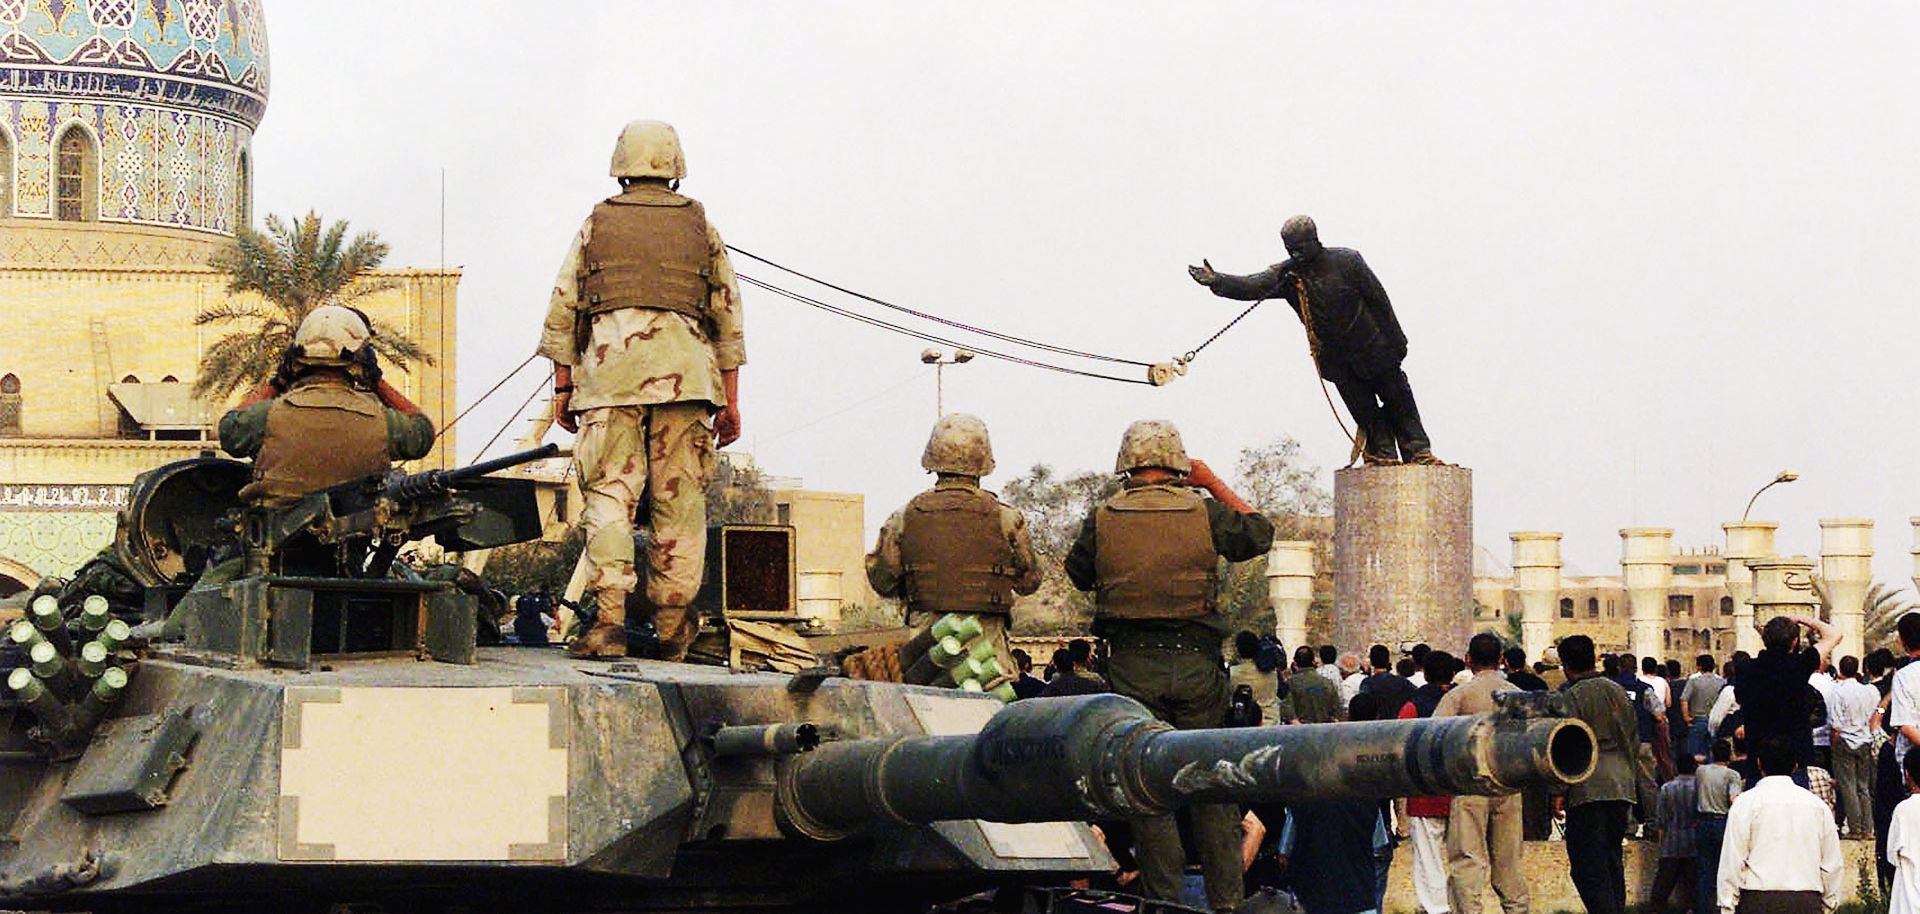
(651,375)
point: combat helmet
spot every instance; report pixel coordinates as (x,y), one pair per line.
(958,446)
(1152,443)
(331,335)
(648,149)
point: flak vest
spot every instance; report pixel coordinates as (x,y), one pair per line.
(1153,555)
(955,554)
(318,435)
(646,252)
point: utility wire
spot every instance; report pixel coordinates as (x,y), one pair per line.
(1004,337)
(876,322)
(483,397)
(887,391)
(513,418)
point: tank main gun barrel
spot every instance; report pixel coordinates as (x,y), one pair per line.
(1105,757)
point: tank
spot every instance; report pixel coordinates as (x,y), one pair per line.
(327,734)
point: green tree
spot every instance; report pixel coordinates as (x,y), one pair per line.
(1884,607)
(293,267)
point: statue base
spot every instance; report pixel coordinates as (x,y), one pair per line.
(1402,557)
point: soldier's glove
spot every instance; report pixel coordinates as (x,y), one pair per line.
(283,374)
(1203,274)
(366,364)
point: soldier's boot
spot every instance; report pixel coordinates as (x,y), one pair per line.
(607,639)
(677,626)
(1426,458)
(1381,460)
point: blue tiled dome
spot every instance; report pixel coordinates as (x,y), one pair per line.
(209,55)
(157,98)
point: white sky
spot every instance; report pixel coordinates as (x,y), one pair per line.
(1647,256)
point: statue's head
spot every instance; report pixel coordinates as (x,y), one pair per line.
(1301,237)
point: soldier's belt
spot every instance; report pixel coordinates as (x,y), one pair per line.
(1197,642)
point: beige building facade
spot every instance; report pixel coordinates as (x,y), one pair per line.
(1697,616)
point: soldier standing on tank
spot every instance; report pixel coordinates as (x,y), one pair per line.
(644,331)
(956,548)
(1150,554)
(1352,332)
(326,417)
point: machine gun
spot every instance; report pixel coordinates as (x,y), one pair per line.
(355,529)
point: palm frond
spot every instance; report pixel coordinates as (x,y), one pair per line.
(228,311)
(294,265)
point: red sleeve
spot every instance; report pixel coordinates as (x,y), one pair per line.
(1408,711)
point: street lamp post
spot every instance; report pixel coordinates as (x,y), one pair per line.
(940,360)
(1785,476)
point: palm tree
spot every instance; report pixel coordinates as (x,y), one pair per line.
(294,267)
(1884,607)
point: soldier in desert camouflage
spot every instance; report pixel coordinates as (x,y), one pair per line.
(956,548)
(644,331)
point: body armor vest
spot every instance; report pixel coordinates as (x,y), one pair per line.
(318,435)
(646,252)
(955,554)
(1153,555)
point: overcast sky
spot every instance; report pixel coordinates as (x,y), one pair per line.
(1647,256)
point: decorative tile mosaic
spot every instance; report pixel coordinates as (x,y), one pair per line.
(168,93)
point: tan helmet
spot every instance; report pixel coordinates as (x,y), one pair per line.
(959,446)
(648,149)
(331,334)
(1152,443)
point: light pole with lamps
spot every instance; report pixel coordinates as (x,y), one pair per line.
(940,360)
(1785,476)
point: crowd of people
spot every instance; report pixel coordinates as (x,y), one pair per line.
(1745,774)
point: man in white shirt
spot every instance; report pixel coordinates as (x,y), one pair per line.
(1351,675)
(1782,853)
(1649,674)
(1903,709)
(1822,682)
(1849,709)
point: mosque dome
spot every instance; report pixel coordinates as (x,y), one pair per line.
(135,112)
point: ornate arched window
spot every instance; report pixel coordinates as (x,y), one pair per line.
(10,404)
(243,192)
(76,175)
(1593,608)
(1566,607)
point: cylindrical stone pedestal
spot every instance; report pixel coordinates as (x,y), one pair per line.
(1536,580)
(1403,556)
(1746,540)
(1290,589)
(1646,564)
(1783,585)
(1846,573)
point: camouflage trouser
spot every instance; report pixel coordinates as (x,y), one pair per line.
(672,471)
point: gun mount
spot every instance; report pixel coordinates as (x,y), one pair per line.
(359,526)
